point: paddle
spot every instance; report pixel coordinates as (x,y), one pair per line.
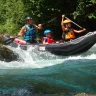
(10,40)
(74,23)
(49,21)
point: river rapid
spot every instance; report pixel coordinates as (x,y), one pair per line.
(44,74)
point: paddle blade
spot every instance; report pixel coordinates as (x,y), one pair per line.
(8,41)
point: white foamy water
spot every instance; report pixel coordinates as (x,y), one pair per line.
(30,59)
(27,60)
(35,59)
(92,56)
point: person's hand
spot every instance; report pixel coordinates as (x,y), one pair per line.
(40,26)
(84,29)
(63,16)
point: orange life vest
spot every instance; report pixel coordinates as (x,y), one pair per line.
(69,34)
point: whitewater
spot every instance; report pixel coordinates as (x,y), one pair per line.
(45,73)
(31,59)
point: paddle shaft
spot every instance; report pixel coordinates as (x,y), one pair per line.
(74,23)
(49,21)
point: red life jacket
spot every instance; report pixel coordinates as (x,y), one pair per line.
(48,40)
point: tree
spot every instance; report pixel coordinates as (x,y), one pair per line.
(86,9)
(14,12)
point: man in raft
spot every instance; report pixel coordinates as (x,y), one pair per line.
(28,31)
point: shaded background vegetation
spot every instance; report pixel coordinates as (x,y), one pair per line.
(14,12)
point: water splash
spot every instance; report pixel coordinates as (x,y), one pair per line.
(36,59)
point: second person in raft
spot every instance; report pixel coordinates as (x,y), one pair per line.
(68,32)
(48,39)
(28,31)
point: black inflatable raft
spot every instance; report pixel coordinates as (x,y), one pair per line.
(73,47)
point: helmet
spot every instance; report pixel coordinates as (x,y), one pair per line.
(28,18)
(47,31)
(66,21)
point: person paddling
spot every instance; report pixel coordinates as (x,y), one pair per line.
(28,31)
(68,31)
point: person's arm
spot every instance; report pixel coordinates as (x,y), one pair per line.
(62,25)
(79,31)
(22,31)
(45,40)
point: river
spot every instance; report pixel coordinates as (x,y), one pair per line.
(42,73)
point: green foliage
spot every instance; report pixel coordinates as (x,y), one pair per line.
(14,12)
(85,9)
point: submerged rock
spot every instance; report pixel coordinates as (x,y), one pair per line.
(85,94)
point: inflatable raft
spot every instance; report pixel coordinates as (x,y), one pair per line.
(72,47)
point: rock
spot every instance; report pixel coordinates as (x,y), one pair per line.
(85,94)
(7,55)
